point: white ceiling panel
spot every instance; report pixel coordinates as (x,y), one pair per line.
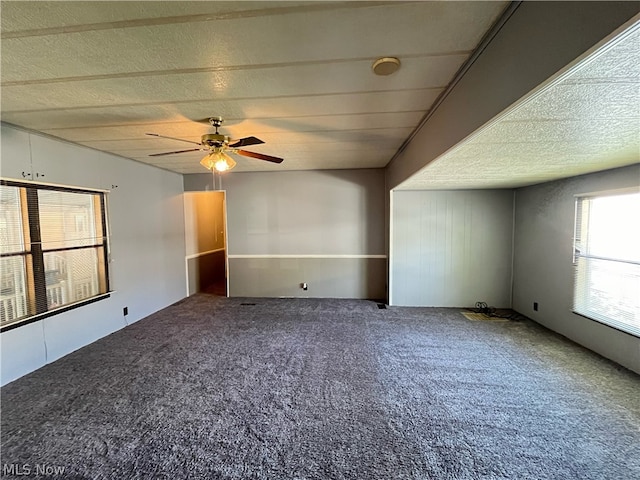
(18,17)
(296,74)
(362,137)
(416,73)
(574,101)
(429,28)
(233,110)
(192,131)
(532,132)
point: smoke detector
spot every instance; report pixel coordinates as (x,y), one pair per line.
(385,65)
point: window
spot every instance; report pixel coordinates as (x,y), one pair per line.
(53,250)
(607,260)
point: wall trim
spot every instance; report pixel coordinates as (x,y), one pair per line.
(305,256)
(201,254)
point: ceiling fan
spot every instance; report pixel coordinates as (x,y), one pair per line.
(219,146)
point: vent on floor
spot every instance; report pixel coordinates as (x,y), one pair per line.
(247,304)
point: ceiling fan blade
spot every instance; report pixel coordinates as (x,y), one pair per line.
(172,138)
(259,156)
(243,142)
(177,151)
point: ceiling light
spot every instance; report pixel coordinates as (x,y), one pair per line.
(218,161)
(385,65)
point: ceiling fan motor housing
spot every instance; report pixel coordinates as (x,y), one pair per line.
(214,140)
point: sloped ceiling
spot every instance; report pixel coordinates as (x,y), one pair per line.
(295,74)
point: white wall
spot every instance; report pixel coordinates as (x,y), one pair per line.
(451,248)
(325,228)
(543,267)
(147,244)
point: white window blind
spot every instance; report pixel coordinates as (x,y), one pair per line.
(607,260)
(53,250)
(14,254)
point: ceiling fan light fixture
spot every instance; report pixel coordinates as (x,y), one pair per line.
(224,164)
(217,144)
(385,65)
(218,161)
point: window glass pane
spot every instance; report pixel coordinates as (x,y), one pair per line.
(612,291)
(614,227)
(11,232)
(67,219)
(607,281)
(52,249)
(13,295)
(72,276)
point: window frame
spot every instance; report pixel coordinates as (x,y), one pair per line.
(35,275)
(579,244)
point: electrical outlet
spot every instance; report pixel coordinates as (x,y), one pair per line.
(125,311)
(304,286)
(535,306)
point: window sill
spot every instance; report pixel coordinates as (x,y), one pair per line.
(618,326)
(50,313)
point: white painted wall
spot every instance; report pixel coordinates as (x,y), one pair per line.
(332,212)
(324,227)
(543,268)
(451,248)
(147,244)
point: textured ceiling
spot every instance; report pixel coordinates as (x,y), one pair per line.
(585,119)
(295,74)
(298,75)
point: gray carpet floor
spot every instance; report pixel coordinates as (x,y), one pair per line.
(324,389)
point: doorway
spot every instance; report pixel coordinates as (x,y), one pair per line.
(205,217)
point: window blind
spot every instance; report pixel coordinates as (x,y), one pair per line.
(607,260)
(53,249)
